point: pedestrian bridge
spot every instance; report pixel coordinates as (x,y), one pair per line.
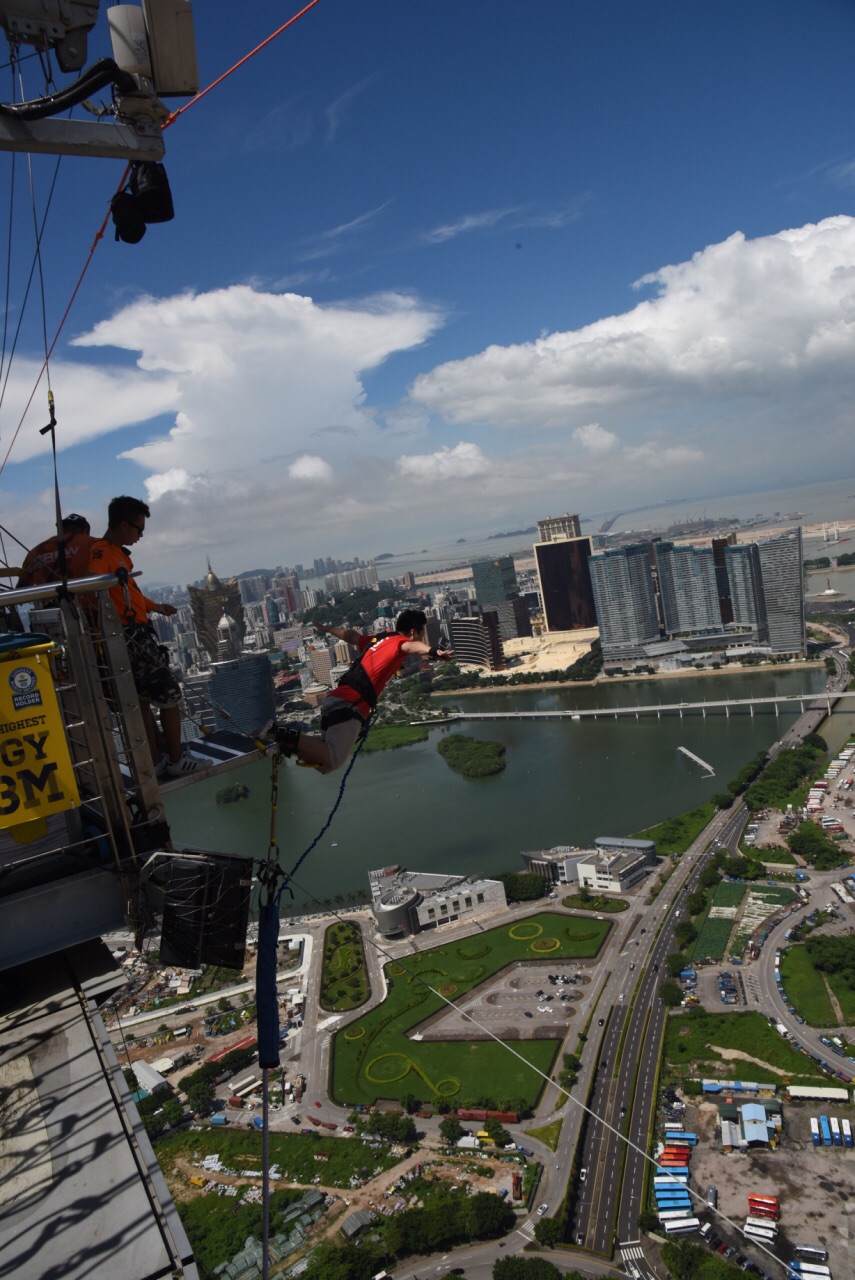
(725,706)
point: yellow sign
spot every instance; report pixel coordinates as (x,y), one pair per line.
(36,776)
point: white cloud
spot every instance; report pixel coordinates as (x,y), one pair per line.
(769,318)
(253,374)
(460,463)
(310,467)
(337,111)
(89,402)
(512,218)
(594,439)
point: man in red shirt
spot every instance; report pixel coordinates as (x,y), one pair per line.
(348,705)
(43,563)
(155,683)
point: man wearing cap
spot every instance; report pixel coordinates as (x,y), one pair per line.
(44,563)
(155,682)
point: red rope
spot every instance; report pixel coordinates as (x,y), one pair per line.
(100,233)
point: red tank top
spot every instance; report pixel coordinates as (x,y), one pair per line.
(379,660)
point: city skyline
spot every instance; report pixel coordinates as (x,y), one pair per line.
(371,324)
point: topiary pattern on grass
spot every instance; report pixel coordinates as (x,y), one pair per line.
(463,1066)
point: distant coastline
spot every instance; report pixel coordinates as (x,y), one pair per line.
(615,680)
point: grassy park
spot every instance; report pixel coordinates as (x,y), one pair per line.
(344,980)
(674,835)
(375,1056)
(595,902)
(548,1134)
(693,1042)
(805,988)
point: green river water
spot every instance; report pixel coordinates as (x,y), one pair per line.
(566,782)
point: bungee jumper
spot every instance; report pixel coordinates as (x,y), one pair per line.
(347,709)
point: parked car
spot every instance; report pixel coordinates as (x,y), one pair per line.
(601,1022)
(541,1210)
(317,1104)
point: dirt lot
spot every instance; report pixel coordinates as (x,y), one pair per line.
(815,1185)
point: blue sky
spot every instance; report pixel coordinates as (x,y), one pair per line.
(443,269)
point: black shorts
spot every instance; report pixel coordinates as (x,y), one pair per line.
(150,666)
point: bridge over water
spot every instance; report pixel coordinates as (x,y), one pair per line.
(724,706)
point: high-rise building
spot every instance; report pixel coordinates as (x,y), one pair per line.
(477,640)
(554,528)
(495,581)
(496,587)
(244,688)
(625,599)
(514,618)
(745,599)
(688,588)
(719,550)
(254,588)
(783,591)
(321,662)
(565,583)
(209,603)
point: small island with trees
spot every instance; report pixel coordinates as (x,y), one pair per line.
(230,795)
(472,757)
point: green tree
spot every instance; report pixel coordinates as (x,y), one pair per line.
(522,1268)
(685,934)
(200,1096)
(722,800)
(676,962)
(709,877)
(670,993)
(648,1220)
(451,1130)
(547,1232)
(523,886)
(498,1133)
(172,1111)
(696,902)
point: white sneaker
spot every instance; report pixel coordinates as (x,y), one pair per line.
(183,767)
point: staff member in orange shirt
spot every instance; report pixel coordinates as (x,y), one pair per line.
(42,564)
(155,683)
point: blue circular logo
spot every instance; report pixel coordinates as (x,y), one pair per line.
(23,680)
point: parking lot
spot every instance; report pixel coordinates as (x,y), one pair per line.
(527,1001)
(814,1185)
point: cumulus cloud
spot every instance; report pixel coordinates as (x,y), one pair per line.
(254,374)
(310,467)
(594,439)
(744,318)
(90,401)
(460,463)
